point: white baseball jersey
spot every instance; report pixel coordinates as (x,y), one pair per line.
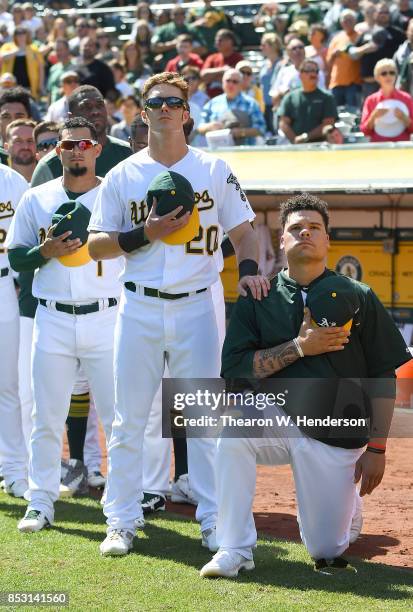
(12,187)
(121,206)
(55,281)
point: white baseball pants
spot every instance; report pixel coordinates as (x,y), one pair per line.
(13,453)
(324,482)
(62,342)
(149,331)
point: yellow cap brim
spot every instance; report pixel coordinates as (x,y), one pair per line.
(187,233)
(79,258)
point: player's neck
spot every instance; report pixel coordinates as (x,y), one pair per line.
(167,149)
(24,170)
(304,273)
(79,184)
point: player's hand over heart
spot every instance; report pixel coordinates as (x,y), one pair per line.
(258,285)
(56,247)
(319,340)
(158,226)
(370,468)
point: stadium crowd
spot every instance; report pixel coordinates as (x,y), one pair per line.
(339,75)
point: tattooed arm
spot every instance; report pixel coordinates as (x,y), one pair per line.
(271,360)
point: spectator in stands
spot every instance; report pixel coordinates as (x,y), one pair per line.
(333,135)
(86,101)
(208,20)
(405,79)
(82,31)
(57,112)
(404,51)
(332,17)
(46,137)
(369,23)
(143,41)
(233,110)
(192,76)
(388,113)
(136,71)
(317,49)
(6,18)
(185,55)
(92,71)
(64,63)
(382,43)
(143,14)
(14,104)
(59,30)
(303,11)
(18,16)
(119,74)
(270,18)
(24,60)
(106,52)
(162,17)
(7,81)
(400,14)
(271,48)
(21,147)
(345,77)
(248,87)
(139,134)
(31,21)
(288,77)
(217,63)
(165,37)
(129,108)
(305,111)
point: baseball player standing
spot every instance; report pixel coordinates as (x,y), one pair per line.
(166,310)
(272,339)
(75,319)
(13,454)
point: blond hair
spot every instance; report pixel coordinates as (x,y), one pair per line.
(170,78)
(384,63)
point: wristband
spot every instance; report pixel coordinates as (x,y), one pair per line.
(135,239)
(378,451)
(298,347)
(247,267)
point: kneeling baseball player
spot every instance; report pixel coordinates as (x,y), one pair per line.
(273,338)
(75,319)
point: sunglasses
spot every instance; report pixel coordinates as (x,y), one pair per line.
(234,81)
(246,72)
(82,145)
(47,144)
(170,101)
(388,73)
(297,47)
(310,70)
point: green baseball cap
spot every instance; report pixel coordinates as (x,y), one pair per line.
(73,216)
(171,190)
(333,301)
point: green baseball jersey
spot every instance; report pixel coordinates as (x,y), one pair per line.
(50,167)
(375,346)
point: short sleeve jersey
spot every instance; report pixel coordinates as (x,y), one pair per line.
(121,206)
(55,281)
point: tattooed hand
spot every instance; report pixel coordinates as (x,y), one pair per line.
(319,340)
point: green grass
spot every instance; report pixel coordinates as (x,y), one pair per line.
(161,574)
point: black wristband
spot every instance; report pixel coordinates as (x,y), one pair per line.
(247,267)
(227,248)
(135,239)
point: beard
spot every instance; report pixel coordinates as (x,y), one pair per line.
(77,171)
(23,161)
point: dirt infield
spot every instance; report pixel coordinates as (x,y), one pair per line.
(387,535)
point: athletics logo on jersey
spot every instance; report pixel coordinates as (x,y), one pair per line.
(233,179)
(6,210)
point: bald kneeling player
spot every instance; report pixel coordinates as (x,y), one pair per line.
(344,333)
(75,319)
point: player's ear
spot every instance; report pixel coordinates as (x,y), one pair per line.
(98,150)
(185,115)
(144,116)
(6,146)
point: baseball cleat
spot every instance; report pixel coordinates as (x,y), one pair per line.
(117,543)
(64,468)
(357,521)
(209,539)
(181,492)
(140,522)
(33,520)
(75,481)
(226,564)
(96,480)
(17,488)
(152,502)
(329,567)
